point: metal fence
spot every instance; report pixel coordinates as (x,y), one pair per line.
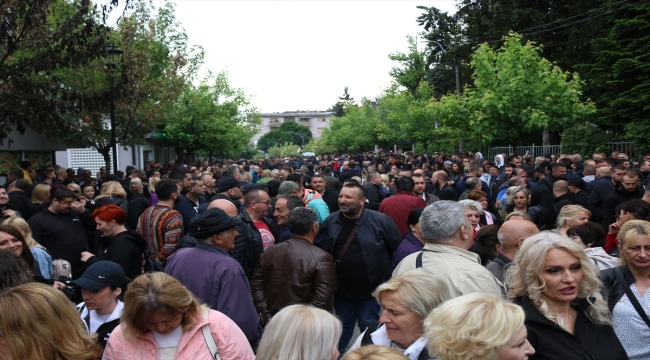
(626,147)
(536,151)
(494,151)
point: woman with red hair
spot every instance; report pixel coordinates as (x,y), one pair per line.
(117,244)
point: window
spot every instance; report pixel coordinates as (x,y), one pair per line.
(273,120)
(304,119)
(321,119)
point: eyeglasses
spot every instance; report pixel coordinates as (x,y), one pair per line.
(267,203)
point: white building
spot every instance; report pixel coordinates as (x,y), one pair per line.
(314,120)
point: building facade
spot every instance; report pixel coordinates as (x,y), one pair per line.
(314,120)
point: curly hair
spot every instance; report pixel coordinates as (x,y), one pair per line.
(524,277)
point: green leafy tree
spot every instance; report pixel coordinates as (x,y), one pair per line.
(515,92)
(155,66)
(37,38)
(287,132)
(212,118)
(288,149)
(585,138)
(411,68)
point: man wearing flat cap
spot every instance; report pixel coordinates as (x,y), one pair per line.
(209,272)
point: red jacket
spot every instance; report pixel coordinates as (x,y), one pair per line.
(399,207)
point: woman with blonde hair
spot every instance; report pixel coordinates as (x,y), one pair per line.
(300,332)
(479,327)
(153,198)
(571,215)
(160,314)
(76,189)
(39,252)
(557,285)
(406,300)
(41,194)
(39,322)
(628,284)
(266,177)
(110,191)
(374,352)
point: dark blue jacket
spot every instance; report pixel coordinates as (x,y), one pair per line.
(379,238)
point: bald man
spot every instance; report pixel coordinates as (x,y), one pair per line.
(561,195)
(511,235)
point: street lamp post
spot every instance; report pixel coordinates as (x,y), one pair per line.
(461,143)
(112,58)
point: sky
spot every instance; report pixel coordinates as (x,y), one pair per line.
(299,55)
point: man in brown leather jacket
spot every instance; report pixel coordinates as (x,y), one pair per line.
(294,271)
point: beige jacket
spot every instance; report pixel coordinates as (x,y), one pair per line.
(458,268)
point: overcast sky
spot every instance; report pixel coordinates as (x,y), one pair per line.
(299,55)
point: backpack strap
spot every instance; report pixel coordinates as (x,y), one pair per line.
(418,260)
(209,339)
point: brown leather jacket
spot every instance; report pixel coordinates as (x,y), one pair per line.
(293,272)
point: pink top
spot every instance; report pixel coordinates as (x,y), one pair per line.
(231,342)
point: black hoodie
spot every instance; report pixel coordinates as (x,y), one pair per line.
(125,249)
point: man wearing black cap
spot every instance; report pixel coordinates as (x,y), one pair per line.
(228,188)
(212,275)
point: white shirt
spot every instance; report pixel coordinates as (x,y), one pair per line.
(168,343)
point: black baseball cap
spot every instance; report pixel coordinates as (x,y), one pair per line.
(100,275)
(226,183)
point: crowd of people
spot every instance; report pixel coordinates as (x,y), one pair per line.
(432,256)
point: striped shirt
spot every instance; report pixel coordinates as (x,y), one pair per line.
(162,228)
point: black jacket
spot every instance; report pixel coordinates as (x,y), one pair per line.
(446,193)
(125,249)
(137,205)
(379,238)
(563,200)
(588,341)
(367,340)
(248,244)
(619,196)
(612,288)
(331,198)
(597,197)
(374,197)
(63,235)
(18,201)
(104,330)
(542,195)
(581,198)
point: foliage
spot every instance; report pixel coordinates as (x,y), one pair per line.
(288,149)
(585,138)
(339,108)
(515,92)
(212,118)
(318,146)
(357,130)
(38,37)
(410,69)
(287,132)
(155,66)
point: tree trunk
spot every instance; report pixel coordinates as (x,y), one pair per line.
(106,153)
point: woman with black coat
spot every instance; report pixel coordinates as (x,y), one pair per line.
(556,284)
(117,244)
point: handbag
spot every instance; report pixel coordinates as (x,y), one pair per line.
(630,295)
(151,265)
(61,268)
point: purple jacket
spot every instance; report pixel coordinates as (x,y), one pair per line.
(218,281)
(411,244)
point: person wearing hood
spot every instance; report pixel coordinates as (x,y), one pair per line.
(627,189)
(119,245)
(498,161)
(101,286)
(591,237)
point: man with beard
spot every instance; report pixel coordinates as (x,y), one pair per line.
(419,189)
(319,184)
(160,225)
(444,191)
(362,243)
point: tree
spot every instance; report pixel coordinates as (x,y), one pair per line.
(516,92)
(339,108)
(212,118)
(287,132)
(411,68)
(155,66)
(38,37)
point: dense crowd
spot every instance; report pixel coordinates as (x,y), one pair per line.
(432,256)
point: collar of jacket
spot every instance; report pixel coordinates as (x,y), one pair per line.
(452,250)
(212,248)
(533,314)
(404,192)
(358,220)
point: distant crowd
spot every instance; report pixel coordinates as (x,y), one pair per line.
(432,256)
